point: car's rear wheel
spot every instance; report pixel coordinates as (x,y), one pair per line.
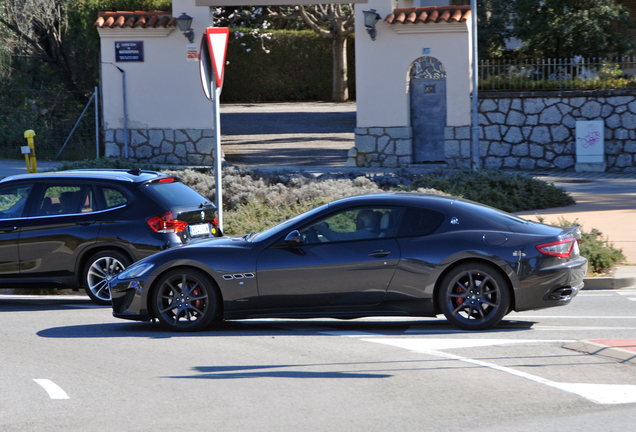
(474,296)
(185,300)
(99,270)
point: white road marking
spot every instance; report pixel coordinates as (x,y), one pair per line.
(54,391)
(521,315)
(539,327)
(606,394)
(347,333)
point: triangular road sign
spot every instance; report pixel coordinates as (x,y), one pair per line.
(216,39)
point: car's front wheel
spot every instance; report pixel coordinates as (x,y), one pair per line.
(474,296)
(185,300)
(99,270)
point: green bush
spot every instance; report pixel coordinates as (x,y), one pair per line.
(107,163)
(600,253)
(511,192)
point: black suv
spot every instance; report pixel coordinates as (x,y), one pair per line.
(79,228)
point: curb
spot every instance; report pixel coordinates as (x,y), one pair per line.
(599,283)
(613,352)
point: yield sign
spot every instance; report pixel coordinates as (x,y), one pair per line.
(212,57)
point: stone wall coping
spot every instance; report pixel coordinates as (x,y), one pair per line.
(509,94)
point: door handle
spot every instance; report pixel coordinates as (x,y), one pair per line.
(86,222)
(379,253)
(8,228)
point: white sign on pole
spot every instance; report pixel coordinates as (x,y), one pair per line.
(590,141)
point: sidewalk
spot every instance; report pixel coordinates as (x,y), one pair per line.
(621,350)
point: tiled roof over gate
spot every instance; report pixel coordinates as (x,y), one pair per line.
(430,14)
(135,19)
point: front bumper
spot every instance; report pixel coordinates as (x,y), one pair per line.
(129,300)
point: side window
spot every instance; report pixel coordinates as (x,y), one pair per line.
(113,197)
(61,199)
(352,224)
(88,201)
(12,201)
(418,222)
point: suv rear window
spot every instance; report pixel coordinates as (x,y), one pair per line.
(174,194)
(113,197)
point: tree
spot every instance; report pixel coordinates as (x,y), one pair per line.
(558,28)
(566,28)
(494,27)
(36,30)
(335,22)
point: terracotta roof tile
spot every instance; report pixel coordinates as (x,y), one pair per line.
(135,19)
(429,14)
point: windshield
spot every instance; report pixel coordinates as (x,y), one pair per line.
(281,227)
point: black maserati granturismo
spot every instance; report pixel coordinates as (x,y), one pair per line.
(393,254)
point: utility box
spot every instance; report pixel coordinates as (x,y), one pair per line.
(590,146)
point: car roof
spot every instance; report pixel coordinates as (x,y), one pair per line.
(436,202)
(121,175)
(396,198)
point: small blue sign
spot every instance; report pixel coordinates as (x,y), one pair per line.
(129,51)
(426,50)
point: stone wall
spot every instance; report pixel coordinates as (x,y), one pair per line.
(388,147)
(179,147)
(526,131)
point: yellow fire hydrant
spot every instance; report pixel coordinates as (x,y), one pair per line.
(29,152)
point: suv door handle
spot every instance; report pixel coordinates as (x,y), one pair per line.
(86,222)
(379,253)
(8,228)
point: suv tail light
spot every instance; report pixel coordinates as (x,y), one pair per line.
(561,248)
(165,223)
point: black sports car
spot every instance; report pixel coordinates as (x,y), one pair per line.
(374,255)
(79,228)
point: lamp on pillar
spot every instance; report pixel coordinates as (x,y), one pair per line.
(370,19)
(185,25)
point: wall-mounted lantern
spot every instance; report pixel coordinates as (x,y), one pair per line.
(370,19)
(185,25)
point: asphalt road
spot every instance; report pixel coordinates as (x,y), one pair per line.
(288,133)
(70,366)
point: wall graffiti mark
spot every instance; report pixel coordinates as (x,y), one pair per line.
(591,139)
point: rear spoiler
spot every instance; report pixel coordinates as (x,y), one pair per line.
(574,232)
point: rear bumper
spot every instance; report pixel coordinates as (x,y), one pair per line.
(551,286)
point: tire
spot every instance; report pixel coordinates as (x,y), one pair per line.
(474,296)
(185,300)
(99,270)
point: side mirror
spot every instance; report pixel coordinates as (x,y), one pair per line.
(293,238)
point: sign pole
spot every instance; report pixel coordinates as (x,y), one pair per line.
(216,122)
(211,68)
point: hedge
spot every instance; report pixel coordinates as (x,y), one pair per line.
(297,67)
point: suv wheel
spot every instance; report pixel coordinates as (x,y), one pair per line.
(99,270)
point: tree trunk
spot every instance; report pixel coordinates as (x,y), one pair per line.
(340,85)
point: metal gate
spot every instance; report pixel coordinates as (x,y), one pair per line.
(427,89)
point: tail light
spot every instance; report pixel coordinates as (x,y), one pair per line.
(560,249)
(215,222)
(165,223)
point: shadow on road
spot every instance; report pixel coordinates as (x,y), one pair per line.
(124,329)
